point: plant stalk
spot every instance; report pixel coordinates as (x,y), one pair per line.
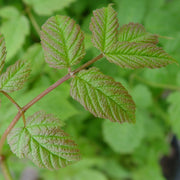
(11,99)
(16,104)
(33,21)
(157,85)
(4,168)
(40,96)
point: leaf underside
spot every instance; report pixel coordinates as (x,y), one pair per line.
(43,142)
(104,27)
(138,55)
(62,41)
(135,32)
(2,52)
(102,96)
(15,76)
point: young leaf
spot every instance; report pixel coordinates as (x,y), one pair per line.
(62,41)
(43,142)
(14,77)
(138,55)
(135,32)
(104,27)
(2,52)
(102,96)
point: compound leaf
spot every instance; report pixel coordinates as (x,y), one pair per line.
(104,27)
(14,77)
(102,96)
(62,41)
(43,142)
(138,55)
(2,52)
(135,32)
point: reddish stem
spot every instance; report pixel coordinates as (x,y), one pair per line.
(40,96)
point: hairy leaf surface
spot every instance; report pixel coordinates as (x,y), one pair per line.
(14,77)
(104,27)
(43,142)
(102,96)
(135,32)
(62,41)
(138,55)
(2,52)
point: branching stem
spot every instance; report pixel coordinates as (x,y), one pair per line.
(16,104)
(11,99)
(40,96)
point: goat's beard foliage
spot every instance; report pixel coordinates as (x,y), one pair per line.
(42,140)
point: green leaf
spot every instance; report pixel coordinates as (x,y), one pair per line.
(62,41)
(78,171)
(2,52)
(43,142)
(34,54)
(124,138)
(135,32)
(164,76)
(130,10)
(15,28)
(14,77)
(46,7)
(115,170)
(142,96)
(102,96)
(138,55)
(145,172)
(154,22)
(104,27)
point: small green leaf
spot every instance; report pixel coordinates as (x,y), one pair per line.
(2,52)
(131,11)
(15,28)
(14,77)
(124,138)
(104,27)
(102,96)
(43,142)
(145,172)
(135,32)
(46,7)
(142,96)
(138,55)
(34,54)
(62,41)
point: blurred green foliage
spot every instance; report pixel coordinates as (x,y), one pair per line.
(110,151)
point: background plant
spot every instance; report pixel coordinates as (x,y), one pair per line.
(126,161)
